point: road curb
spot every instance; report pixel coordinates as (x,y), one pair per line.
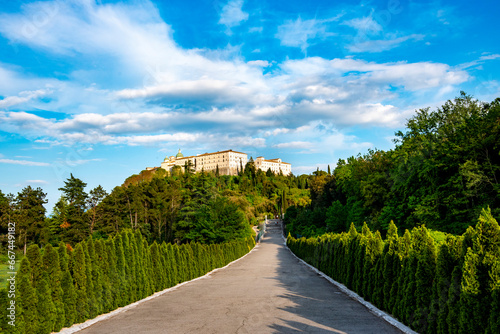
(372,308)
(78,327)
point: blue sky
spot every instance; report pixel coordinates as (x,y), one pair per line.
(103,89)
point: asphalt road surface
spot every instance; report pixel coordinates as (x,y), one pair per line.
(268,291)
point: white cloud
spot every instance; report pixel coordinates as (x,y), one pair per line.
(298,33)
(232,14)
(24,163)
(294,144)
(171,94)
(22,97)
(36,182)
(365,25)
(382,44)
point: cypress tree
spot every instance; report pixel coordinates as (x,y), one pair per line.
(471,310)
(444,269)
(172,265)
(408,304)
(390,249)
(97,274)
(162,265)
(424,277)
(51,266)
(102,259)
(453,302)
(26,300)
(155,266)
(127,256)
(135,294)
(148,271)
(79,269)
(67,287)
(93,305)
(45,306)
(4,305)
(112,274)
(35,258)
(121,297)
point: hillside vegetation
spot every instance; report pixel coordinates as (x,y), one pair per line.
(444,170)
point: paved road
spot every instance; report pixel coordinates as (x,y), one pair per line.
(269,291)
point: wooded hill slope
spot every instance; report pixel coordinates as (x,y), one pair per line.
(444,170)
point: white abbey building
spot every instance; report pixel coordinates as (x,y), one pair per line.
(229,162)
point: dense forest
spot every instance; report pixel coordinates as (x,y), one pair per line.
(178,208)
(444,169)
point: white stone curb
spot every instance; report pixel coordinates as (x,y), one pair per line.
(379,313)
(78,327)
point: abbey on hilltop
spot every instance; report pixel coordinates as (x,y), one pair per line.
(228,162)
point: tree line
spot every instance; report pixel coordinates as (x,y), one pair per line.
(177,207)
(451,286)
(59,286)
(444,169)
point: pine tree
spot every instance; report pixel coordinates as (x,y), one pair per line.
(51,266)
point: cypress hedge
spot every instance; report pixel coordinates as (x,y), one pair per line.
(451,287)
(59,286)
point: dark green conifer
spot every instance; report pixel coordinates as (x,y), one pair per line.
(4,305)
(121,297)
(112,274)
(35,258)
(45,306)
(67,286)
(26,300)
(93,305)
(79,269)
(51,266)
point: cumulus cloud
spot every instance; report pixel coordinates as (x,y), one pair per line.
(172,94)
(22,97)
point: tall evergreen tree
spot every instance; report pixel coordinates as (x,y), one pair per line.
(79,269)
(26,300)
(52,268)
(45,307)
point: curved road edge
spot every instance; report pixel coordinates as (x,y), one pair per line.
(373,309)
(78,327)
